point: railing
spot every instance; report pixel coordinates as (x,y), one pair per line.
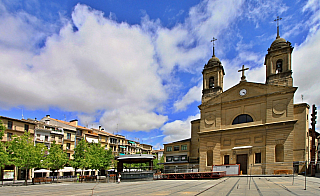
(185,176)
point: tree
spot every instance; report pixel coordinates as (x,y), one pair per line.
(80,156)
(95,152)
(56,159)
(24,155)
(4,156)
(107,158)
(156,165)
(99,158)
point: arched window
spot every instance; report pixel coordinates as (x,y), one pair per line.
(209,158)
(279,153)
(243,118)
(279,66)
(211,82)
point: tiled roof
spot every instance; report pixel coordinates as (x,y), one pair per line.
(22,120)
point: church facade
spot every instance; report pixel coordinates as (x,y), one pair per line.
(256,125)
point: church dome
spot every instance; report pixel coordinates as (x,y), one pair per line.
(279,43)
(214,61)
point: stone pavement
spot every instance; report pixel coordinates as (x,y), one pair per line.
(225,186)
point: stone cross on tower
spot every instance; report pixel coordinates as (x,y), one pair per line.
(213,40)
(278,21)
(243,77)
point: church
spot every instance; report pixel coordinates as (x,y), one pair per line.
(256,125)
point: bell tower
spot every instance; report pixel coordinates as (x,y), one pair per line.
(213,74)
(278,61)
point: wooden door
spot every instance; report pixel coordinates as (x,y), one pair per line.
(242,160)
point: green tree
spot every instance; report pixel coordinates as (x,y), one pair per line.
(4,156)
(99,158)
(95,152)
(156,164)
(80,156)
(107,158)
(56,159)
(24,155)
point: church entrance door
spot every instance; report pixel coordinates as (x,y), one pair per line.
(242,160)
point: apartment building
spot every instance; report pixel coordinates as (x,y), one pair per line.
(158,153)
(62,133)
(145,149)
(16,127)
(68,134)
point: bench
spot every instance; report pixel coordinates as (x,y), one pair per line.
(41,179)
(283,171)
(88,177)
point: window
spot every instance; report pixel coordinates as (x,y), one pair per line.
(184,147)
(68,155)
(113,140)
(211,82)
(279,153)
(243,118)
(26,127)
(68,146)
(169,148)
(10,125)
(209,158)
(46,138)
(168,159)
(176,148)
(176,158)
(184,158)
(9,136)
(226,159)
(257,158)
(79,132)
(69,136)
(279,66)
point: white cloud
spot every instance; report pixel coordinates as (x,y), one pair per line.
(158,146)
(187,43)
(102,66)
(305,63)
(132,119)
(313,7)
(178,129)
(260,10)
(194,94)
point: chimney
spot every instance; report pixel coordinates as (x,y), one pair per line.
(74,122)
(99,127)
(48,116)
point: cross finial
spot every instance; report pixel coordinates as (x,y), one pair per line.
(213,40)
(243,77)
(278,21)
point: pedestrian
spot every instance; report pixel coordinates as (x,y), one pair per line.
(119,176)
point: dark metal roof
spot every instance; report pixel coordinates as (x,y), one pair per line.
(135,158)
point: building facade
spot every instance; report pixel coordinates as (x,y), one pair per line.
(16,127)
(256,125)
(66,134)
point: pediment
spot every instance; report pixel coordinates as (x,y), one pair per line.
(248,90)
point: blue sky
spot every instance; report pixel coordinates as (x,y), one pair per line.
(134,67)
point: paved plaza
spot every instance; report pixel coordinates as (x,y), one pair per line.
(224,186)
